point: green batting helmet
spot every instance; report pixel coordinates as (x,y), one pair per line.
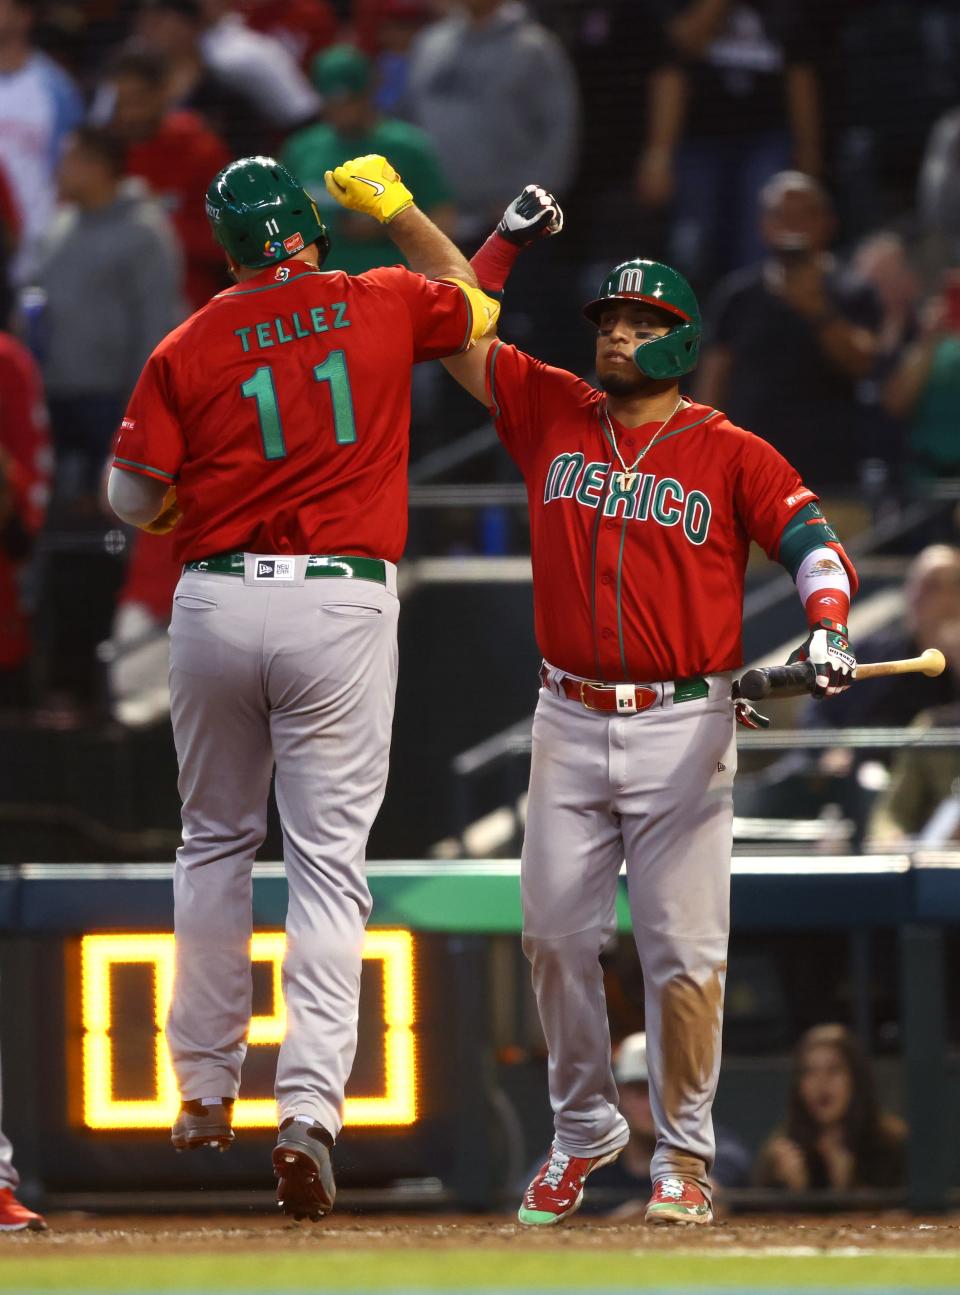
(676,353)
(261,215)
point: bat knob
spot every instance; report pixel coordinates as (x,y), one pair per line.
(934,662)
(754,685)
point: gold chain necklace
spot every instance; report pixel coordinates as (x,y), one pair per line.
(629,475)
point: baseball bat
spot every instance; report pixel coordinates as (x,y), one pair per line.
(792,680)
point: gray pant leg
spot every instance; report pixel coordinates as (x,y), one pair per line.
(571,857)
(677,830)
(331,678)
(220,726)
(8,1175)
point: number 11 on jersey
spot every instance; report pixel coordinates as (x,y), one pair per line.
(260,387)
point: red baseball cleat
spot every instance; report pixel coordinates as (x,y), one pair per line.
(15,1217)
(557,1189)
(676,1201)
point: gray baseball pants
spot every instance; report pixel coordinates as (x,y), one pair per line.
(301,674)
(8,1175)
(654,787)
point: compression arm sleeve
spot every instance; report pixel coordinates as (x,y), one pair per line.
(807,530)
(824,587)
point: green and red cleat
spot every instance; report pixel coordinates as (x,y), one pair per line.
(676,1201)
(557,1190)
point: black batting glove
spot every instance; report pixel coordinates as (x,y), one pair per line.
(534,214)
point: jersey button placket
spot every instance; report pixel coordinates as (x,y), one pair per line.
(607,602)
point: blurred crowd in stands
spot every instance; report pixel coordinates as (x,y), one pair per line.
(799,160)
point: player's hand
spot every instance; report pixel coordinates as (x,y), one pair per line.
(534,214)
(748,716)
(371,185)
(167,517)
(828,647)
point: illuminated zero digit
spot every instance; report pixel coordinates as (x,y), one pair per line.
(99,954)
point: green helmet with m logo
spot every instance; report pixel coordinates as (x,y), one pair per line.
(656,284)
(261,215)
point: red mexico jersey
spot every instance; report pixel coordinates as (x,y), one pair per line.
(638,580)
(281,410)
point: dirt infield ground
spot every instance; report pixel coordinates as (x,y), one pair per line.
(79,1234)
(153,1255)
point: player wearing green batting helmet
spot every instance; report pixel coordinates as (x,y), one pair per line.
(261,215)
(656,284)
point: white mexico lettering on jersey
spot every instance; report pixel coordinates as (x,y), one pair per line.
(647,498)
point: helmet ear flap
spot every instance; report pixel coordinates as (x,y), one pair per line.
(671,356)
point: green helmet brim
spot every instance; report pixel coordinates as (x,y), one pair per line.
(594,309)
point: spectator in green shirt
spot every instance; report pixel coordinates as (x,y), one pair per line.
(353,127)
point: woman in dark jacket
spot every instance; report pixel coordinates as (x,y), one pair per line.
(836,1136)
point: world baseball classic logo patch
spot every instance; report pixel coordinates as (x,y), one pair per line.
(275,569)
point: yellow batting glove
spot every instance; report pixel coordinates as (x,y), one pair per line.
(484,311)
(371,185)
(167,517)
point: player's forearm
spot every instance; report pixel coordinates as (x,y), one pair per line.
(427,249)
(134,498)
(824,587)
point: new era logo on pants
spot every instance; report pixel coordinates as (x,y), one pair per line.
(275,569)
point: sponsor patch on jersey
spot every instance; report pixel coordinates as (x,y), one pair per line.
(275,569)
(798,498)
(128,424)
(294,243)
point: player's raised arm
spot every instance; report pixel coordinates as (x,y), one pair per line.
(533,214)
(371,185)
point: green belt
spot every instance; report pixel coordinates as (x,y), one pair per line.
(689,689)
(319,567)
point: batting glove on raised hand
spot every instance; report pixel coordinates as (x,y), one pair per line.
(534,214)
(371,185)
(828,647)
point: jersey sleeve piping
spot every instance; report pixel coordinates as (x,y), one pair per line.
(491,388)
(143,469)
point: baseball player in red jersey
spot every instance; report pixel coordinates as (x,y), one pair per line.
(271,430)
(642,508)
